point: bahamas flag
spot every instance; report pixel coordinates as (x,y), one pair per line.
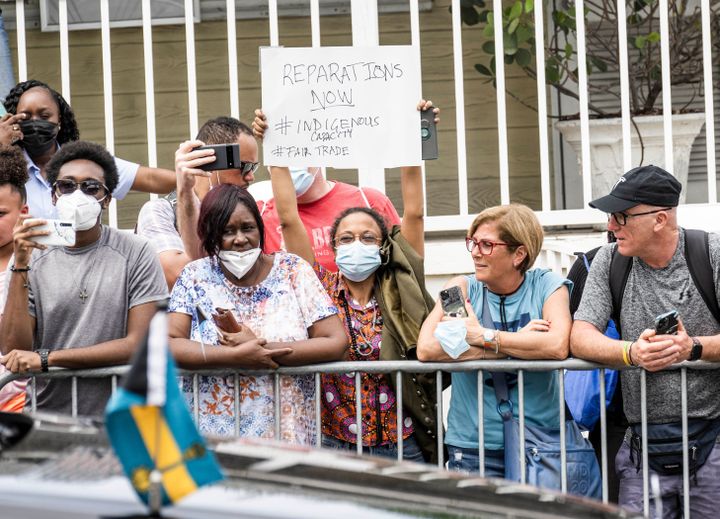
(151,430)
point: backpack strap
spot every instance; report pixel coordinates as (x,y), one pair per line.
(697,256)
(620,267)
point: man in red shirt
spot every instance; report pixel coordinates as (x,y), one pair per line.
(320,201)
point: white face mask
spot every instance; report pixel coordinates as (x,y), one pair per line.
(302,179)
(238,263)
(83,209)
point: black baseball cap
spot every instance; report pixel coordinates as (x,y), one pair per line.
(649,185)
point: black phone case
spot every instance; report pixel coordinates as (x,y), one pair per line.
(227,156)
(428,134)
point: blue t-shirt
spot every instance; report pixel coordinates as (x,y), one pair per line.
(541,388)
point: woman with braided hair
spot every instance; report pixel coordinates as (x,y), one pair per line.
(40,121)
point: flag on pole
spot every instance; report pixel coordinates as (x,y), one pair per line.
(151,430)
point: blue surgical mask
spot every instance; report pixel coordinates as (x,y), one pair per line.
(357,260)
(302,180)
(451,335)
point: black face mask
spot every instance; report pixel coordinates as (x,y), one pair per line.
(38,136)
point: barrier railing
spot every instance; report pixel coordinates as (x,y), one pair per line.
(398,368)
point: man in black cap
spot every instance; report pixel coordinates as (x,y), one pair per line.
(642,213)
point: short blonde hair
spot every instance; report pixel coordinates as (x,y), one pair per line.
(517,225)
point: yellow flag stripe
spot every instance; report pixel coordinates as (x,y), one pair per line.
(164,450)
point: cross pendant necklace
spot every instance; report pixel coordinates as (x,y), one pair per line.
(83,295)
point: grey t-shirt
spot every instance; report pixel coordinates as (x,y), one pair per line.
(118,272)
(648,293)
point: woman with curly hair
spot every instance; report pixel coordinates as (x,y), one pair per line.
(40,121)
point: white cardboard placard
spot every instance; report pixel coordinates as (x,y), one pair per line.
(341,107)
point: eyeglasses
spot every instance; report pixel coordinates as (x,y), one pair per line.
(485,246)
(621,218)
(248,167)
(366,238)
(66,186)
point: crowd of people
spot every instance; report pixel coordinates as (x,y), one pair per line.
(325,271)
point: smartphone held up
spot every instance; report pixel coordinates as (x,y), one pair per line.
(61,233)
(452,302)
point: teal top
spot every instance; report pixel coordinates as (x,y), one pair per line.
(541,388)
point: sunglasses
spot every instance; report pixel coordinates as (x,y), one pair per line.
(248,167)
(66,186)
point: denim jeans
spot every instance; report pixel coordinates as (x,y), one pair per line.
(704,487)
(465,460)
(411,449)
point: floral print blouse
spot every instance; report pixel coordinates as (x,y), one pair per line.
(279,309)
(379,410)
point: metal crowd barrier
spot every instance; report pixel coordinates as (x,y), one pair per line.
(397,368)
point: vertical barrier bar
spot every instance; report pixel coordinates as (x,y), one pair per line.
(315,22)
(21,44)
(318,411)
(709,108)
(191,72)
(236,407)
(149,86)
(276,400)
(232,59)
(481,421)
(73,398)
(603,437)
(113,384)
(108,96)
(583,95)
(439,418)
(563,439)
(643,431)
(624,84)
(500,96)
(33,395)
(196,400)
(686,457)
(542,106)
(666,80)
(64,50)
(521,422)
(459,108)
(273,20)
(358,413)
(399,407)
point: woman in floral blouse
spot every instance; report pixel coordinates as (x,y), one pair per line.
(362,246)
(284,314)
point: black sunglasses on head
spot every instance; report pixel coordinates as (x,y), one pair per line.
(66,186)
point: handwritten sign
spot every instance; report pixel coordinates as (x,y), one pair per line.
(342,107)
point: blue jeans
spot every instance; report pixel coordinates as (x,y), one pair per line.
(465,460)
(411,449)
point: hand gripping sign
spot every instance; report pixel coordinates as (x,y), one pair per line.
(342,107)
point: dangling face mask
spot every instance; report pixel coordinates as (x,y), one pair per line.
(83,209)
(302,180)
(38,136)
(239,263)
(357,261)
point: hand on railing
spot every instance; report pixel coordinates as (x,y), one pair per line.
(256,354)
(657,352)
(21,361)
(236,339)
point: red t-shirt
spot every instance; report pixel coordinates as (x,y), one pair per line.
(319,215)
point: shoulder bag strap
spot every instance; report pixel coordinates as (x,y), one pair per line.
(697,256)
(620,267)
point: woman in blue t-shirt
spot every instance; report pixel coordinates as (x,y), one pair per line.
(529,310)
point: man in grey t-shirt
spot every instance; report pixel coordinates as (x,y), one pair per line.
(83,306)
(642,209)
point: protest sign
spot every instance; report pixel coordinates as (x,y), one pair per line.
(342,107)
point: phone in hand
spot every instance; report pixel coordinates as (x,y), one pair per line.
(225,320)
(62,232)
(428,135)
(667,323)
(452,302)
(227,156)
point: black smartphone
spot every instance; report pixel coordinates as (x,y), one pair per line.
(452,302)
(667,323)
(428,134)
(227,156)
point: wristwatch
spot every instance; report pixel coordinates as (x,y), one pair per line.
(696,351)
(490,339)
(44,354)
